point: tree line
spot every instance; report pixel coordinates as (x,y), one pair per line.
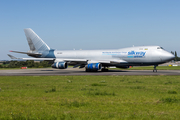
(176,57)
(28,63)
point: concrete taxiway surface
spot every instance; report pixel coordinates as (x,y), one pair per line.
(76,71)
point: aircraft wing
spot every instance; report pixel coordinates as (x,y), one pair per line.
(118,61)
(108,61)
(73,60)
(91,61)
(56,60)
(37,58)
(85,61)
(76,62)
(12,57)
(81,63)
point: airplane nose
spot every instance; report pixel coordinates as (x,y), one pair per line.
(167,56)
(172,56)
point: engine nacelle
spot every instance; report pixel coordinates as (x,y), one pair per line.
(59,65)
(93,67)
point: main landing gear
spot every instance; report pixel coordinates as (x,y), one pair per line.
(155,70)
(104,69)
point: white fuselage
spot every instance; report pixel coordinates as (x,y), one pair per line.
(142,55)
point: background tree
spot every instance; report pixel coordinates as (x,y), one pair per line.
(13,64)
(172,52)
(176,57)
(30,63)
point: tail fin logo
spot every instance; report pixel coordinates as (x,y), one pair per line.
(31,45)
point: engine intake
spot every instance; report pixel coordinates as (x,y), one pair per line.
(59,65)
(93,67)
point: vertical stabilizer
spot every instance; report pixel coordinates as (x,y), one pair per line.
(34,41)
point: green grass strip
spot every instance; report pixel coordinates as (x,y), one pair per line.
(90,97)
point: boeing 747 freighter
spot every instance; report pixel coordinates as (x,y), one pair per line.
(95,60)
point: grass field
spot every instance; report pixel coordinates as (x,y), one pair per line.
(90,97)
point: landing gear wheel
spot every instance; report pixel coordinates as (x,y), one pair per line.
(87,70)
(155,70)
(104,69)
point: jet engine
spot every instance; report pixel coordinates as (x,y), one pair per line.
(93,67)
(59,65)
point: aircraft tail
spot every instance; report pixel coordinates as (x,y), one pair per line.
(34,41)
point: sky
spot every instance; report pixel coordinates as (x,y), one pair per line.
(90,24)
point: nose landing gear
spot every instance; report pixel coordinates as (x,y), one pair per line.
(155,70)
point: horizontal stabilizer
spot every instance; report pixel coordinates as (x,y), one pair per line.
(28,53)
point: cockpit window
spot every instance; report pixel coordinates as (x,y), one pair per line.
(160,48)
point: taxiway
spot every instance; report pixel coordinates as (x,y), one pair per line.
(72,71)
